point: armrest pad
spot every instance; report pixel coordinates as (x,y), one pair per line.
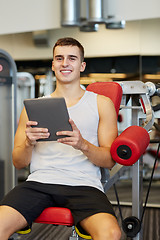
(130,145)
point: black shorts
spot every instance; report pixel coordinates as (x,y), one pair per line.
(31,198)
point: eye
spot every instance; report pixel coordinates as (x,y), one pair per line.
(72,58)
(59,58)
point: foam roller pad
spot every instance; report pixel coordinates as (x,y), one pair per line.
(130,145)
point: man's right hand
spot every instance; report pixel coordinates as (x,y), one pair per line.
(35,133)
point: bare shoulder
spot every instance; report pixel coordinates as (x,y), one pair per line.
(102,98)
(107,121)
(105,104)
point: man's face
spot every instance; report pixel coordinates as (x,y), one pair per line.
(67,63)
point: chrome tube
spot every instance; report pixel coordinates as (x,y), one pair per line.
(95,11)
(70,12)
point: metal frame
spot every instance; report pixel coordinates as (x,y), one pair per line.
(9,170)
(141,115)
(25,89)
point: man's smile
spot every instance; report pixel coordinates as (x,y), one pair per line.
(65,72)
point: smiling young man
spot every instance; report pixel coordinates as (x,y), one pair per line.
(66,172)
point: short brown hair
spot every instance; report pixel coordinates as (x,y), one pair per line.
(68,41)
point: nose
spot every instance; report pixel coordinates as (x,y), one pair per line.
(65,62)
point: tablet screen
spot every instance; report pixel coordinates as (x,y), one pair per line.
(50,113)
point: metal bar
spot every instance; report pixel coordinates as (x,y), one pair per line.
(137,194)
(137,181)
(115,176)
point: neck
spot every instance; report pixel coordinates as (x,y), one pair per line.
(71,93)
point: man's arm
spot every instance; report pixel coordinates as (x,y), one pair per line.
(25,140)
(107,132)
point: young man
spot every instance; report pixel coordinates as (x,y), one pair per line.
(66,172)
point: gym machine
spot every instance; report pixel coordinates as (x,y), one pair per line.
(25,89)
(8,108)
(126,150)
(136,98)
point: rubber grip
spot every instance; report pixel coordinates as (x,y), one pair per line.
(130,145)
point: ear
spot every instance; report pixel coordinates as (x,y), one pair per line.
(52,65)
(83,66)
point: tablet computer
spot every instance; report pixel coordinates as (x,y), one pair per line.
(50,113)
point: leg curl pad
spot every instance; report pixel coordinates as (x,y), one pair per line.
(130,145)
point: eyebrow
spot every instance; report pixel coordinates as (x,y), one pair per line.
(73,56)
(69,56)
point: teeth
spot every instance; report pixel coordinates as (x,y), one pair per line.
(65,71)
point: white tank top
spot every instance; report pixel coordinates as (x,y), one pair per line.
(57,163)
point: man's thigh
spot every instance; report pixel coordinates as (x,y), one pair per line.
(28,200)
(88,201)
(89,207)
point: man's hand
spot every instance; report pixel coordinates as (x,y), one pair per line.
(33,133)
(73,138)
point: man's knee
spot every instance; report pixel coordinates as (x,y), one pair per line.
(102,226)
(112,233)
(11,221)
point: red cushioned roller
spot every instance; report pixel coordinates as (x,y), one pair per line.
(130,145)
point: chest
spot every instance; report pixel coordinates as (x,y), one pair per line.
(86,119)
